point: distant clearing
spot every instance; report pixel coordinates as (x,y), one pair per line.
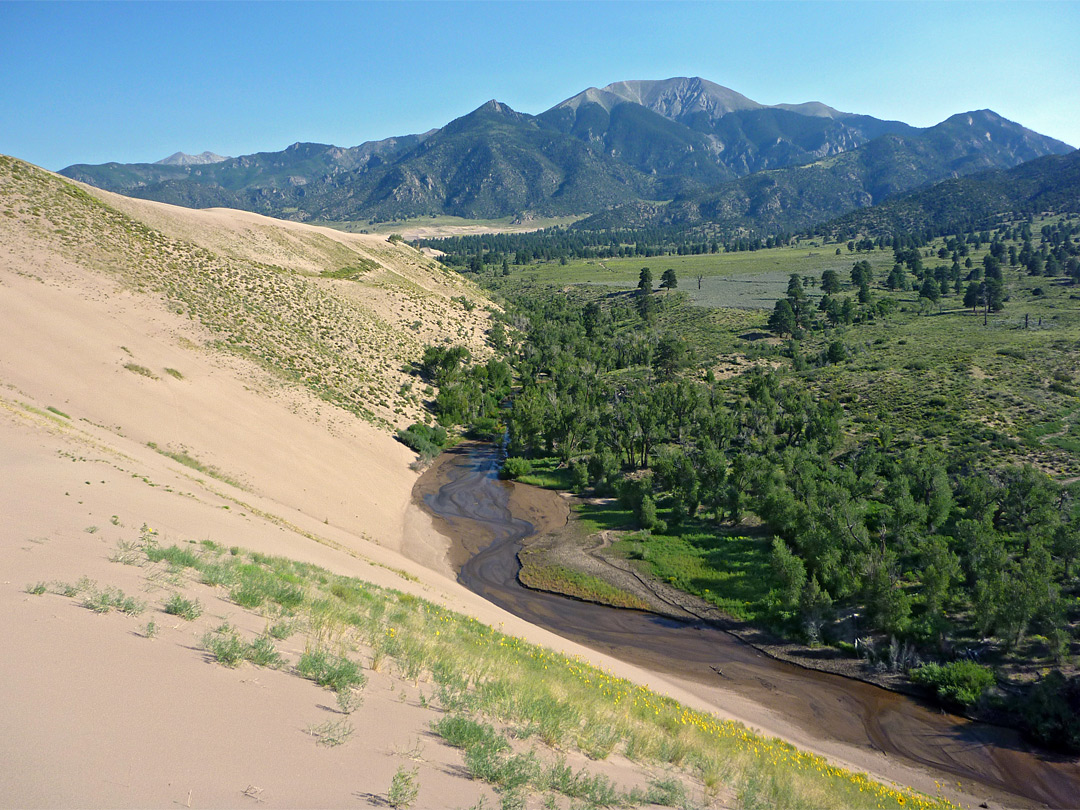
(444,225)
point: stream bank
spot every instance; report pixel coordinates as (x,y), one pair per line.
(487,520)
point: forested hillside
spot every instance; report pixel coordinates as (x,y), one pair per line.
(979,201)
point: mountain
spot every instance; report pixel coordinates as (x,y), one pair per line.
(798,197)
(616,149)
(489,163)
(181,159)
(679,158)
(737,135)
(1050,183)
(265,182)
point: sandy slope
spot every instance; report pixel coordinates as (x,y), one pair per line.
(98,715)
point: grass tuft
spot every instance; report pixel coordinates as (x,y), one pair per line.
(332,733)
(186,609)
(332,671)
(225,648)
(262,653)
(142,371)
(404,788)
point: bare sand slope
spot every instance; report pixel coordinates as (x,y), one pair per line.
(98,714)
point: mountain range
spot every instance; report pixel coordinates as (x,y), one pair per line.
(677,150)
(1050,183)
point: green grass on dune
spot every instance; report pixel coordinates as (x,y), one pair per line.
(473,671)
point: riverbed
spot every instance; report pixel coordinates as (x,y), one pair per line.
(487,519)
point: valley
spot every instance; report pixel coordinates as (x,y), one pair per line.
(861,723)
(190,534)
(467,479)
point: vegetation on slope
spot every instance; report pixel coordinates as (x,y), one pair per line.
(312,327)
(477,676)
(971,203)
(798,197)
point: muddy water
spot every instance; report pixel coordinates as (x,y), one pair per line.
(478,512)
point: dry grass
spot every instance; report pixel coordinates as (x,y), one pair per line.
(341,315)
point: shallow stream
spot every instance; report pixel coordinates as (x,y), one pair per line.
(475,508)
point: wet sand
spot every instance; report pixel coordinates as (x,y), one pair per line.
(486,520)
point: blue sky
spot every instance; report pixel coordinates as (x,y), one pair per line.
(131,82)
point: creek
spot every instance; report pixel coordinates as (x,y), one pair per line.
(475,509)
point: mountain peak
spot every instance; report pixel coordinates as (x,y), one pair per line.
(592,95)
(495,106)
(680,97)
(183,159)
(814,109)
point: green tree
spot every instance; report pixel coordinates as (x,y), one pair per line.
(645,280)
(941,569)
(836,353)
(890,605)
(830,282)
(646,513)
(790,573)
(668,281)
(796,297)
(782,321)
(647,307)
(672,353)
(994,294)
(712,473)
(973,295)
(1029,591)
(862,274)
(848,311)
(816,605)
(1067,544)
(898,279)
(795,291)
(497,336)
(930,290)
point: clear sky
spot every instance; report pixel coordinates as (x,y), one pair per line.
(89,83)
